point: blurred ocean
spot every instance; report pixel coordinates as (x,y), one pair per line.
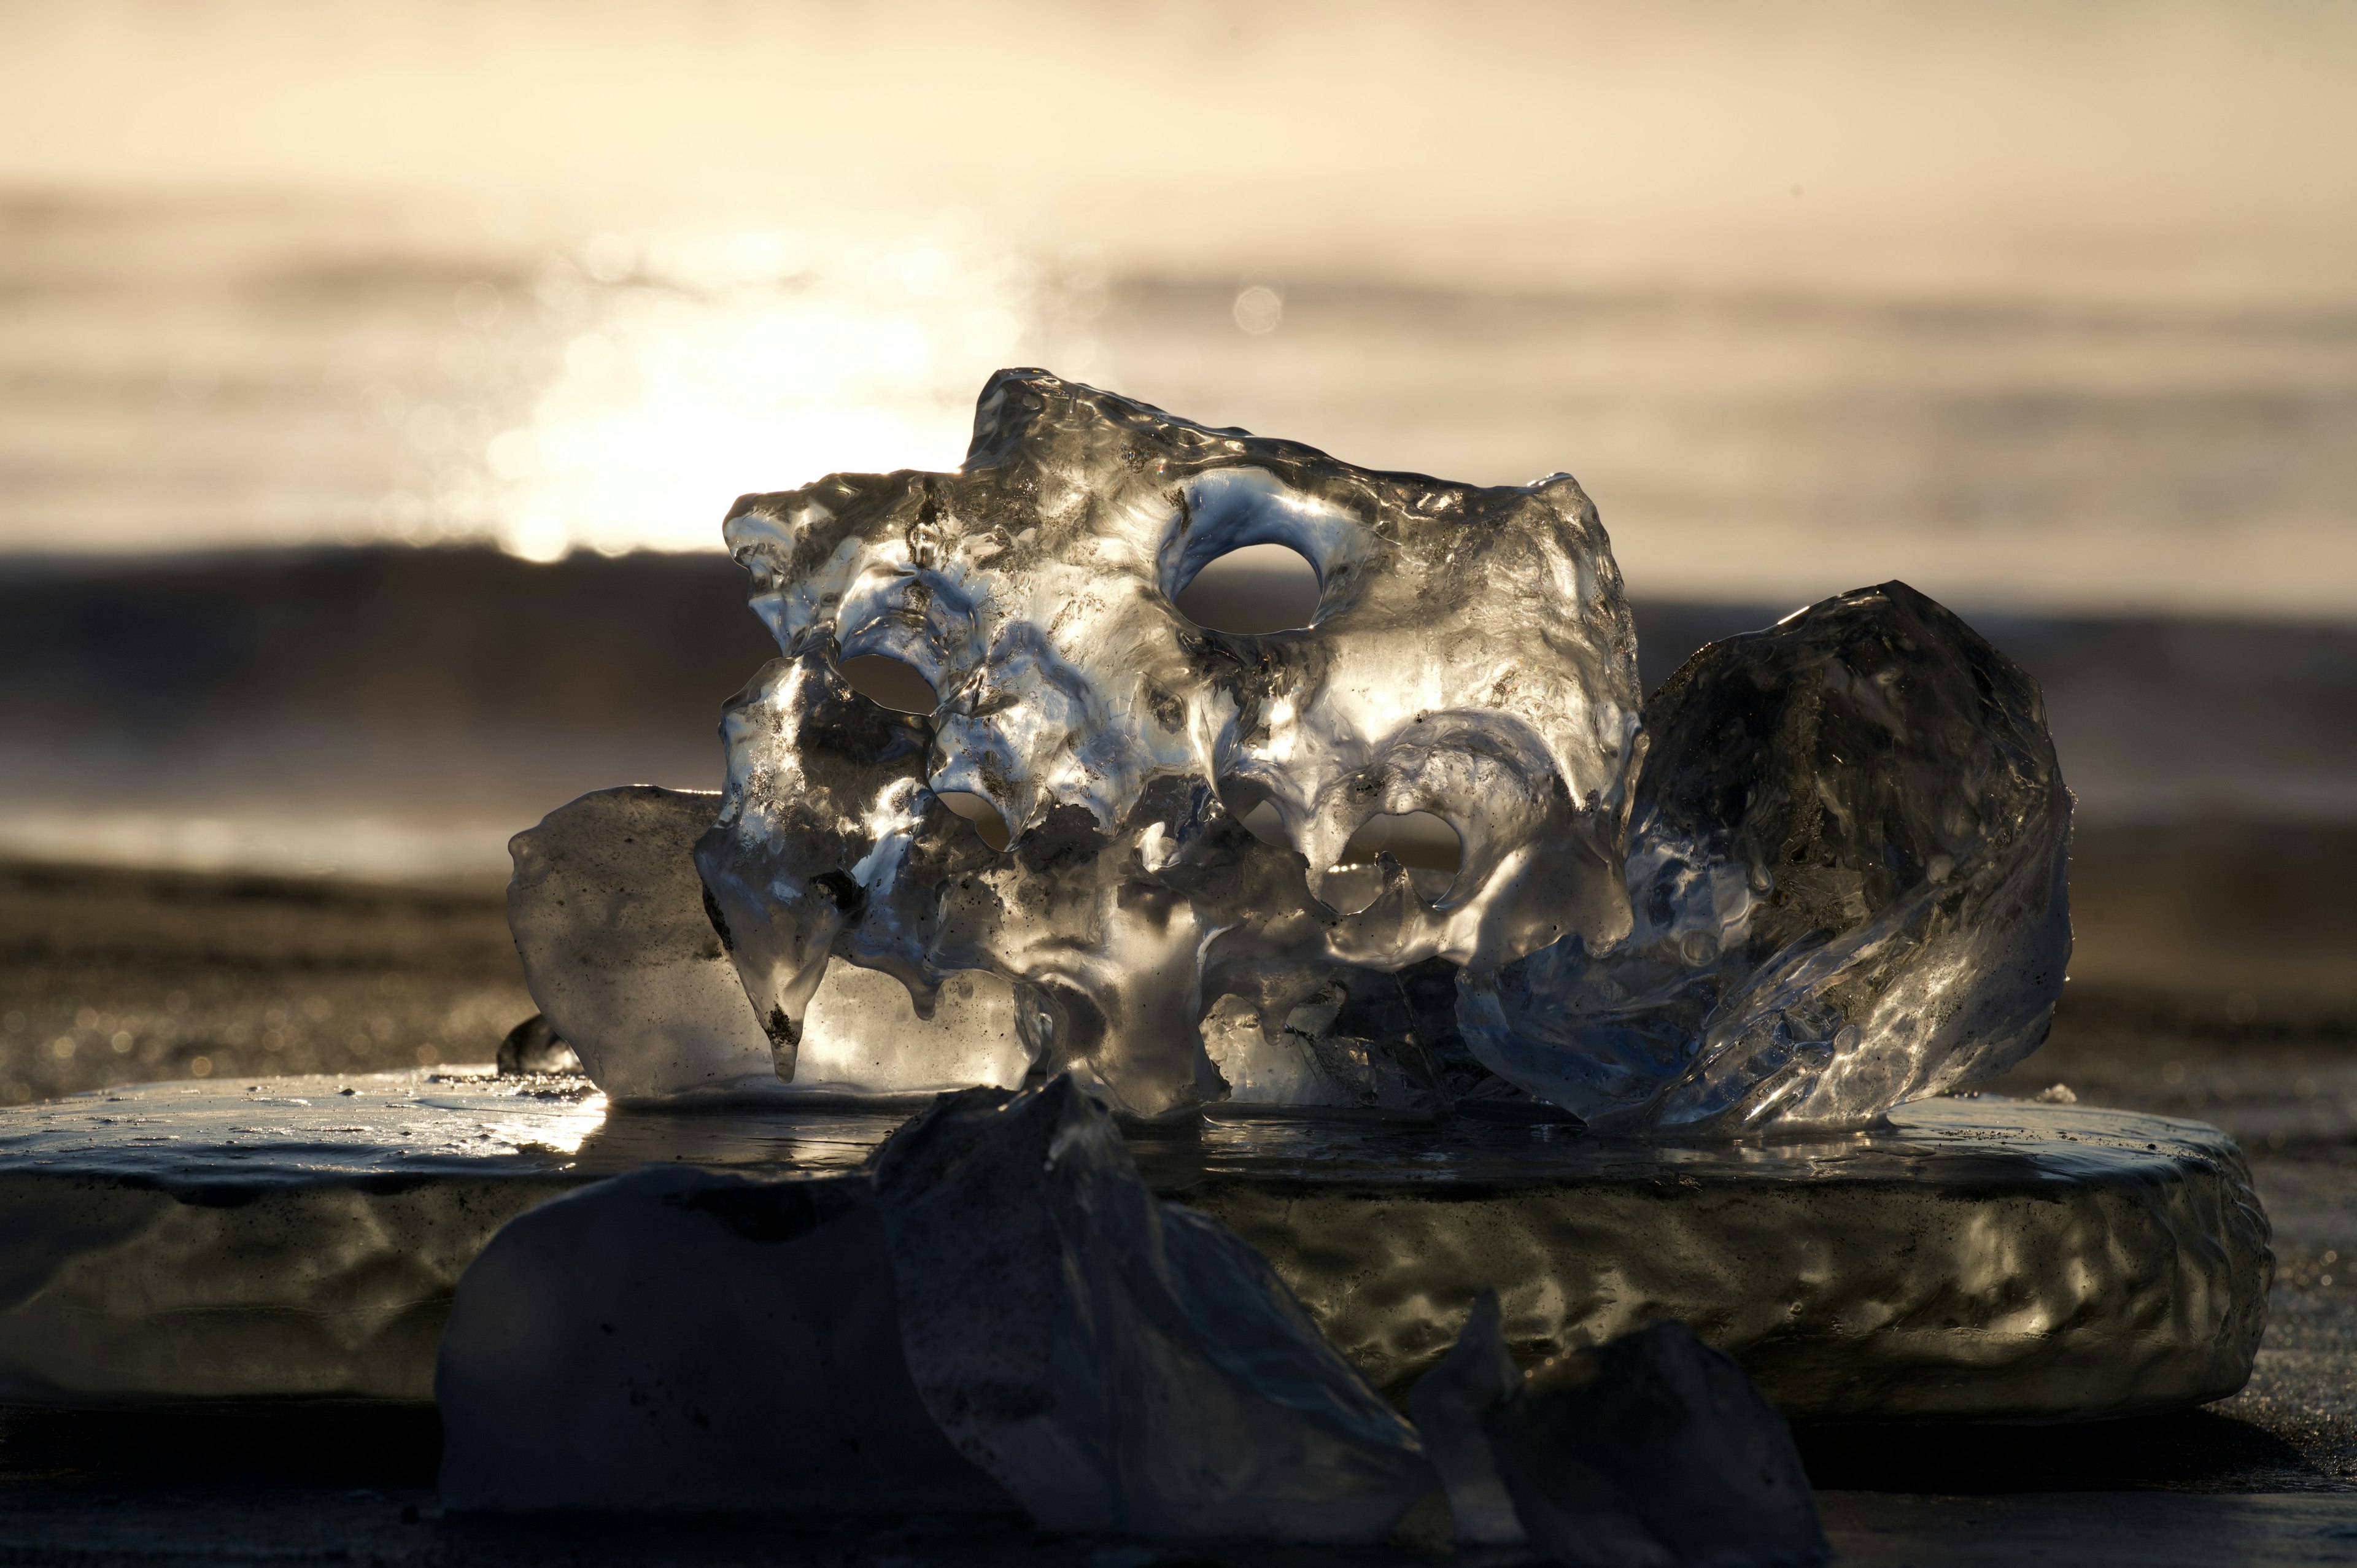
(373,375)
(395,714)
(192,376)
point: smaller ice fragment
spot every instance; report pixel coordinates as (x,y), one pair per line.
(1449,1404)
(627,957)
(686,1340)
(1654,1450)
(1121,1364)
(1352,1042)
(1847,848)
(609,918)
(533,1047)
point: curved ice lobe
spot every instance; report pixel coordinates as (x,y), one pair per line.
(1846,858)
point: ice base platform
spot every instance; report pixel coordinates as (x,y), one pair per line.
(1976,1259)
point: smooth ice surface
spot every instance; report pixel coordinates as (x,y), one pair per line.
(684,1339)
(1848,853)
(1119,1363)
(1822,877)
(1449,1404)
(300,1237)
(622,953)
(1651,1452)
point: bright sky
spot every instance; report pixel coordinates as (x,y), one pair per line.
(2211,146)
(821,223)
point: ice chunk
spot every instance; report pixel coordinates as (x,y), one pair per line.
(533,1047)
(1654,1450)
(1351,1043)
(1847,857)
(1824,876)
(1450,1403)
(861,1035)
(619,954)
(1470,657)
(627,956)
(686,1340)
(1118,1363)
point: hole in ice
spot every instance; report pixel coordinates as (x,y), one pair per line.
(1262,822)
(1351,888)
(890,683)
(1424,843)
(1417,840)
(988,825)
(1251,592)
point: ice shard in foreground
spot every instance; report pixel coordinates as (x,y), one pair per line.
(1818,874)
(1003,1312)
(1651,1450)
(1118,1363)
(1648,1450)
(681,1338)
(1450,1403)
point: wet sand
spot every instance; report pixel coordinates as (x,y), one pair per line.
(116,976)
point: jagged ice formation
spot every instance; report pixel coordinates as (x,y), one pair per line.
(1819,873)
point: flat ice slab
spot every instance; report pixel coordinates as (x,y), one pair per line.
(1980,1258)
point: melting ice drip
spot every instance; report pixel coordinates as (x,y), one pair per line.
(1821,872)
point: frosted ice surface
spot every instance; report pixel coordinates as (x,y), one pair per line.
(686,1339)
(1651,1451)
(861,1035)
(1847,855)
(1449,1404)
(608,918)
(1121,1364)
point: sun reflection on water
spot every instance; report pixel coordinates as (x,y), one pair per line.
(698,364)
(561,1132)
